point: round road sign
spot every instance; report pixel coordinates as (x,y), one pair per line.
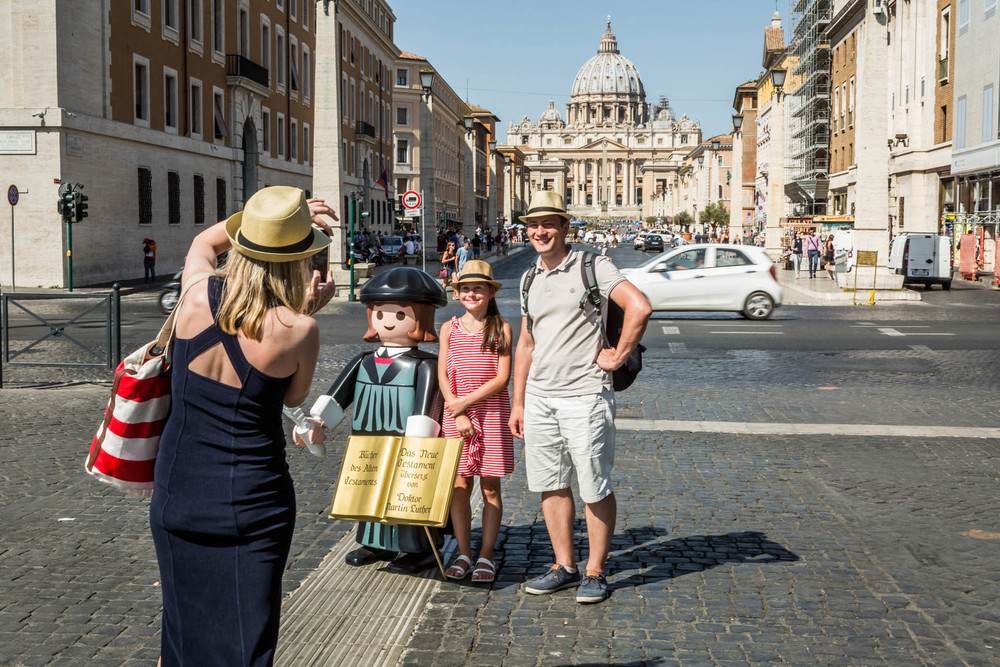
(12,195)
(411,199)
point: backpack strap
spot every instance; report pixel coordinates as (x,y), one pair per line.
(591,292)
(529,277)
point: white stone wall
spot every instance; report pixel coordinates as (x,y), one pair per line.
(977,52)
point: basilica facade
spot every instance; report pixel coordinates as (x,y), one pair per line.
(614,154)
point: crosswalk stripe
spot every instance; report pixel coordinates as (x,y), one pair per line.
(671,331)
(770,428)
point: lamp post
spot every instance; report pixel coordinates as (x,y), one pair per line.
(491,204)
(427,194)
(520,186)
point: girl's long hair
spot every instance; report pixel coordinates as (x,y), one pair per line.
(493,337)
(253,286)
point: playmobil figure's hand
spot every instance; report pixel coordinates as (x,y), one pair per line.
(464,426)
(421,426)
(317,433)
(319,294)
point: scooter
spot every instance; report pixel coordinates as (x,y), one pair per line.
(171,294)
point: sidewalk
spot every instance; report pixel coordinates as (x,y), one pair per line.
(821,290)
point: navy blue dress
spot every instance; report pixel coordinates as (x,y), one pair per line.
(223,509)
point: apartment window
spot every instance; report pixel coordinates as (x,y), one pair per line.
(279,58)
(170,14)
(293,141)
(401,185)
(960,123)
(141,91)
(306,73)
(197,20)
(293,9)
(906,95)
(343,44)
(142,6)
(402,116)
(922,87)
(963,16)
(219,26)
(199,199)
(306,11)
(280,5)
(196,107)
(945,134)
(281,135)
(343,96)
(244,35)
(989,8)
(720,192)
(306,145)
(265,120)
(402,77)
(170,100)
(945,37)
(402,151)
(293,60)
(354,101)
(265,45)
(988,113)
(173,197)
(145,196)
(219,114)
(220,199)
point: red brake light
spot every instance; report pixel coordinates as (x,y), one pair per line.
(774,274)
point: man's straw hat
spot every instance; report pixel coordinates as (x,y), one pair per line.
(275,226)
(546,202)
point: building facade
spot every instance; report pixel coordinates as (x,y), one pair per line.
(744,141)
(354,127)
(614,150)
(170,113)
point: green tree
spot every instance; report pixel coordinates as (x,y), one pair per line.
(684,219)
(714,214)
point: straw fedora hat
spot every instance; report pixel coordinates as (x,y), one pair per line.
(476,271)
(546,202)
(275,226)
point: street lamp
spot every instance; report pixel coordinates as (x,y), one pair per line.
(469,122)
(778,81)
(427,194)
(737,123)
(426,80)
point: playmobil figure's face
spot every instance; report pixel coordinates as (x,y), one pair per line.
(393,322)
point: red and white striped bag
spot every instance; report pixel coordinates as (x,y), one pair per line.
(123,452)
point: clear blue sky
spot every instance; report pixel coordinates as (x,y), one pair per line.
(515,55)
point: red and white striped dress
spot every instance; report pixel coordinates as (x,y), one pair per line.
(490,452)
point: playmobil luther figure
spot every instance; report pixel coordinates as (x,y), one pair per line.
(394,390)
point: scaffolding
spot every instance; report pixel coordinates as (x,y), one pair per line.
(809,109)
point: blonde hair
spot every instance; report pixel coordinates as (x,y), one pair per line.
(253,286)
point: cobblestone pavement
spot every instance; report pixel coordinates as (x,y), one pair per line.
(730,549)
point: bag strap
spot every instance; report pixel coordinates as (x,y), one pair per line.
(591,292)
(166,335)
(529,277)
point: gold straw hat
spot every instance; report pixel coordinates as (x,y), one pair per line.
(275,226)
(546,202)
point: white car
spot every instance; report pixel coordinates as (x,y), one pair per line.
(640,241)
(723,277)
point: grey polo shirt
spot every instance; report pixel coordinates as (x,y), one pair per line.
(567,338)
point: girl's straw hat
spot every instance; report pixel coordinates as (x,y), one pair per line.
(476,271)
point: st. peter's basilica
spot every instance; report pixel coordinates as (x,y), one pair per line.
(613,151)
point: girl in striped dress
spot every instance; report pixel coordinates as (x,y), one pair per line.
(473,372)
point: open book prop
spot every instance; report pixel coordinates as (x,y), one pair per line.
(397,480)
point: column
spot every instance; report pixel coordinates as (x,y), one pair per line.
(595,170)
(631,182)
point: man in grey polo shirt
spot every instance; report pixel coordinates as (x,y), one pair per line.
(563,405)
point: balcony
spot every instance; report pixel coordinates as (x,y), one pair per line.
(365,132)
(244,72)
(943,70)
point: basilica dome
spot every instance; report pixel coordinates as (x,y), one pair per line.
(609,72)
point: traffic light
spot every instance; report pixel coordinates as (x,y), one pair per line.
(67,203)
(81,204)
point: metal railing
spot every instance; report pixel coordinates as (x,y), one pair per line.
(237,65)
(57,326)
(365,129)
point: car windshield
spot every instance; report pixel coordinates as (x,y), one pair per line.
(653,237)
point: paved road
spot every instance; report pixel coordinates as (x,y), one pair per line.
(732,548)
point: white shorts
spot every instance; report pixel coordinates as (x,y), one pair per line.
(566,433)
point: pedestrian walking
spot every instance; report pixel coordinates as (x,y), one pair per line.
(476,246)
(448,262)
(464,255)
(223,506)
(797,253)
(149,260)
(831,268)
(473,372)
(563,404)
(812,246)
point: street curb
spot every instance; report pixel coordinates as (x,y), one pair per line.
(849,297)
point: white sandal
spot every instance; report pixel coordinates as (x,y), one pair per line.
(489,569)
(463,570)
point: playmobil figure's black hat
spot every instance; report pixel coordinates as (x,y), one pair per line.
(404,285)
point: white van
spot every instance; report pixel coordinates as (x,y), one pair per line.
(843,250)
(922,259)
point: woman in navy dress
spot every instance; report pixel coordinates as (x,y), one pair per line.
(223,507)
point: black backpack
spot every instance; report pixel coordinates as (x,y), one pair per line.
(622,378)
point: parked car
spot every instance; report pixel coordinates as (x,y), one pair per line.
(716,277)
(391,246)
(843,249)
(640,241)
(653,242)
(923,259)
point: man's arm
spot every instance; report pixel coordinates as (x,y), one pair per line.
(637,312)
(522,364)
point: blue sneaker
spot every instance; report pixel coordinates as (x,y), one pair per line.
(593,589)
(556,579)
